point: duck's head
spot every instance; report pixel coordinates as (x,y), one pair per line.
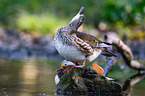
(66,66)
(76,22)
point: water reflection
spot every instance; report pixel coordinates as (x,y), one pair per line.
(35,77)
(26,78)
(129,83)
(28,75)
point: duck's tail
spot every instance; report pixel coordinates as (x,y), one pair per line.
(106,52)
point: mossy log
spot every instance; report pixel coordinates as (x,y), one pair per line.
(86,81)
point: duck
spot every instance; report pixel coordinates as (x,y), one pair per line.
(68,65)
(79,46)
(65,67)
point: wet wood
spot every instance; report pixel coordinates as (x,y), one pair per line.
(86,81)
(124,50)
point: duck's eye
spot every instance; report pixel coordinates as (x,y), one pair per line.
(65,64)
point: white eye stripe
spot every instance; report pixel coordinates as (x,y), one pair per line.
(65,63)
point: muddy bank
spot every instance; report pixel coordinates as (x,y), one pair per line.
(16,45)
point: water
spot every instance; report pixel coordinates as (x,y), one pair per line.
(27,77)
(35,77)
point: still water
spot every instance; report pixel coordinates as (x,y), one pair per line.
(35,77)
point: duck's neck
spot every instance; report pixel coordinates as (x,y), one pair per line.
(73,26)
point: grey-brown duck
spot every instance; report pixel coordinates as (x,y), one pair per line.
(79,46)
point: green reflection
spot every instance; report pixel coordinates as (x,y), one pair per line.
(27,77)
(35,77)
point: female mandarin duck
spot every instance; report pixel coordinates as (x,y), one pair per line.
(79,46)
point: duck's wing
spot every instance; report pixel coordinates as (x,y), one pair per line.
(88,38)
(87,43)
(93,41)
(83,42)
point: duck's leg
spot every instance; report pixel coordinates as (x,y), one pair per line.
(83,63)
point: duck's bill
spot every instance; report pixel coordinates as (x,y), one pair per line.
(60,69)
(81,10)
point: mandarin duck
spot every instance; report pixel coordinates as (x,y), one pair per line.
(68,65)
(78,46)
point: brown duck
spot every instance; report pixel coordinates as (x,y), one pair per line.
(79,46)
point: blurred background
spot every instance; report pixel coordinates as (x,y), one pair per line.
(27,28)
(35,19)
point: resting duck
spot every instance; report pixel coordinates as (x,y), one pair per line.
(67,65)
(78,46)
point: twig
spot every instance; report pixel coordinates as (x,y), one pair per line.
(108,65)
(4,92)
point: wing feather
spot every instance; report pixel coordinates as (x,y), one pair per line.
(87,43)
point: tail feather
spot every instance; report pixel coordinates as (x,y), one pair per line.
(102,45)
(107,43)
(108,53)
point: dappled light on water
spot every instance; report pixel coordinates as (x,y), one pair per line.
(26,78)
(35,77)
